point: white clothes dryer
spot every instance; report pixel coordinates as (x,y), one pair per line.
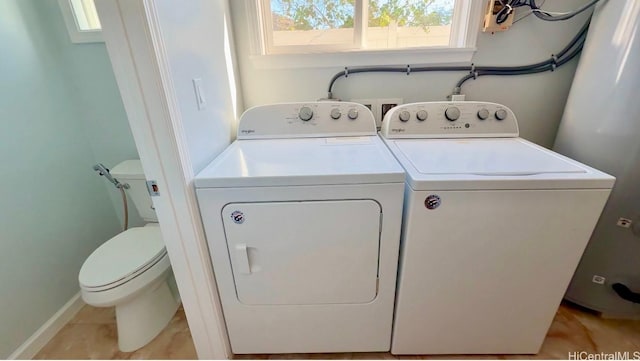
(494,227)
(302,215)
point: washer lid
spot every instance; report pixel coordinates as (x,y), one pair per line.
(122,256)
(493,157)
(303,161)
(490,163)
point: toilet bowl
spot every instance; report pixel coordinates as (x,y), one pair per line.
(131,271)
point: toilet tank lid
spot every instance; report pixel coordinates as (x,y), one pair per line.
(122,256)
(129,169)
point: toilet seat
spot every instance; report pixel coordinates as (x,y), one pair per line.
(122,258)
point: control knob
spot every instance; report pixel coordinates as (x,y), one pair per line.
(452,113)
(422,115)
(404,116)
(501,114)
(483,114)
(335,113)
(305,114)
(353,114)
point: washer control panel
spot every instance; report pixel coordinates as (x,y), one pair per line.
(450,120)
(304,120)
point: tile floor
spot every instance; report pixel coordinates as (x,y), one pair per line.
(92,335)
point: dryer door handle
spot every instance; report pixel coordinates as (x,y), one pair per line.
(242,258)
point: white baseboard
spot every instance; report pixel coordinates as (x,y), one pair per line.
(45,333)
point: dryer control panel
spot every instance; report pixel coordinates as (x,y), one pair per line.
(305,120)
(450,120)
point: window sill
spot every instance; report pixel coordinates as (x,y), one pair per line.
(82,37)
(433,56)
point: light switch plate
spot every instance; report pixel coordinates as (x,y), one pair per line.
(199,93)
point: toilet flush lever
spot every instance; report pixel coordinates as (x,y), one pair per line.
(152,187)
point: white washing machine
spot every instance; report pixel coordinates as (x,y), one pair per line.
(494,227)
(302,215)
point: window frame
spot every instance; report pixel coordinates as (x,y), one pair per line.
(462,44)
(75,33)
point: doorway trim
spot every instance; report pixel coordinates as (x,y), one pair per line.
(134,43)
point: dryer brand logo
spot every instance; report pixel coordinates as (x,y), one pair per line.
(247,131)
(432,201)
(397,130)
(237,217)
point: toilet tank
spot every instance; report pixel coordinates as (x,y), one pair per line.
(131,172)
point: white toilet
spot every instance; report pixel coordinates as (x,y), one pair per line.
(131,270)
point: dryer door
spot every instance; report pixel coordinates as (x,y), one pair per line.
(307,252)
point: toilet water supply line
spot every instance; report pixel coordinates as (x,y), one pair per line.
(104,171)
(125,209)
(570,51)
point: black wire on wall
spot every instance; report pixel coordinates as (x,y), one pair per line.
(570,51)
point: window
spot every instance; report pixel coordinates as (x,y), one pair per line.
(81,18)
(317,27)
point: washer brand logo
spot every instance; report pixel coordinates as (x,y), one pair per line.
(238,217)
(247,131)
(397,130)
(432,202)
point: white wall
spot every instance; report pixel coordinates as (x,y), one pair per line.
(537,100)
(54,210)
(195,45)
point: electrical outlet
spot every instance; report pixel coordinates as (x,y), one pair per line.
(379,107)
(624,222)
(385,106)
(372,104)
(490,18)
